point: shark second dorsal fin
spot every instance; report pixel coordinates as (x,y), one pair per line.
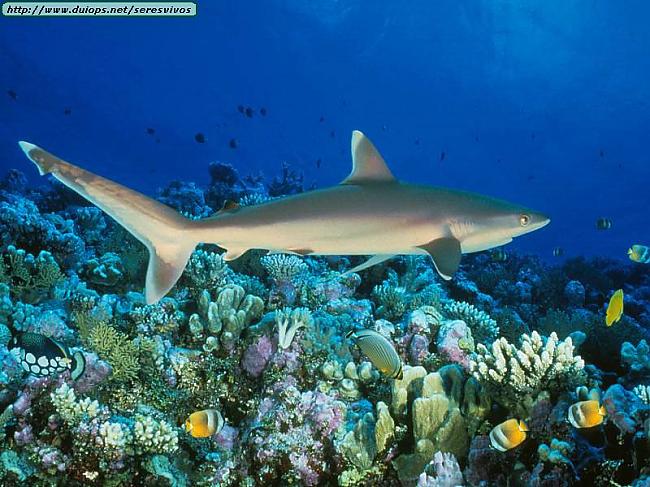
(367,164)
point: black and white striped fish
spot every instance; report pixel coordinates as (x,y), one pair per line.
(379,350)
(42,356)
(639,253)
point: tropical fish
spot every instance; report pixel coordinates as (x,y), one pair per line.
(200,138)
(614,308)
(639,253)
(379,350)
(603,224)
(508,435)
(202,424)
(369,213)
(586,414)
(233,143)
(558,252)
(42,356)
(263,111)
(499,255)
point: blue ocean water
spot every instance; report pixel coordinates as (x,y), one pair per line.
(544,104)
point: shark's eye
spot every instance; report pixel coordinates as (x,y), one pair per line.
(524,220)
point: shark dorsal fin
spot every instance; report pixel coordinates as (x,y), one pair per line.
(367,164)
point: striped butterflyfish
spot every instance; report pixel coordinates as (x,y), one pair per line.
(586,414)
(42,356)
(603,223)
(639,253)
(379,350)
(205,423)
(508,435)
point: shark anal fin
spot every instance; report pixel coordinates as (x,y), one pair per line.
(374,260)
(445,253)
(367,164)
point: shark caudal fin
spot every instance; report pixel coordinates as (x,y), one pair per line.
(166,233)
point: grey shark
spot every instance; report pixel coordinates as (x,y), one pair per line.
(369,213)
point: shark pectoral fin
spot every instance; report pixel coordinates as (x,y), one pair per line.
(445,253)
(367,164)
(232,254)
(376,259)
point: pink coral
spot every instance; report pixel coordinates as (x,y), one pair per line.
(455,342)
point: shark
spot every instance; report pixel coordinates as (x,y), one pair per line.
(370,213)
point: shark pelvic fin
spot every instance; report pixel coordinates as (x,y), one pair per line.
(374,260)
(367,164)
(445,253)
(232,254)
(165,233)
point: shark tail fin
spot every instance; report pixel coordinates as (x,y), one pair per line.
(166,234)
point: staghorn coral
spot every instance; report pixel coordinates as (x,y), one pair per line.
(515,376)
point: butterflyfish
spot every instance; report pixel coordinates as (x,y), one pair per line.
(379,350)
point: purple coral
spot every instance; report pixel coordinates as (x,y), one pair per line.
(257,356)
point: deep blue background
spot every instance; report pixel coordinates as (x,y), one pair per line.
(522,96)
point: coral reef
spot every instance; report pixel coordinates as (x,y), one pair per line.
(262,340)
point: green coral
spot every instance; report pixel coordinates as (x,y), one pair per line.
(116,348)
(226,317)
(445,409)
(29,278)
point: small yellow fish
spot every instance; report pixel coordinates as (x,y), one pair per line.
(639,253)
(508,435)
(586,414)
(614,308)
(603,224)
(379,350)
(203,424)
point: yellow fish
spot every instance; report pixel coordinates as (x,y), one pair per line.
(639,253)
(508,435)
(203,424)
(379,350)
(586,414)
(614,308)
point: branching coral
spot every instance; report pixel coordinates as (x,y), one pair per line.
(116,348)
(515,376)
(289,321)
(484,329)
(226,317)
(206,270)
(30,278)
